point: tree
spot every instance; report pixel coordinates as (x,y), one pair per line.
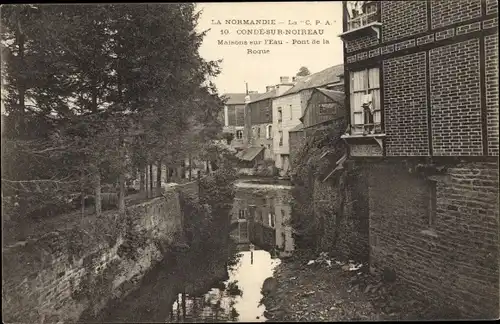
(95,81)
(303,71)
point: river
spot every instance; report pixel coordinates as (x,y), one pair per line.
(218,290)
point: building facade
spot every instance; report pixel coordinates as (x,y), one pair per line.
(258,122)
(423,128)
(289,107)
(234,118)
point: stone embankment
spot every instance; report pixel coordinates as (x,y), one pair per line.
(76,267)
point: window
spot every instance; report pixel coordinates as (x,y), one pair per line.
(243,231)
(269,131)
(291,112)
(272,219)
(365,101)
(258,132)
(239,134)
(280,114)
(241,214)
(431,215)
(281,138)
(361,13)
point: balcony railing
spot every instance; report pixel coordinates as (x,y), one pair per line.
(361,20)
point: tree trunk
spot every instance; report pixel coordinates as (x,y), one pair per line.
(21,84)
(167,175)
(82,190)
(146,175)
(158,178)
(190,160)
(97,190)
(142,179)
(184,304)
(151,179)
(121,180)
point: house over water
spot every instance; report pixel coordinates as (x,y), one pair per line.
(422,89)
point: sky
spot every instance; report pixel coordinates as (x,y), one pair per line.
(260,70)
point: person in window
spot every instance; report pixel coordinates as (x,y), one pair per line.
(368,116)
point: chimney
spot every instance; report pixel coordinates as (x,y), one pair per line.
(284,79)
(297,78)
(270,88)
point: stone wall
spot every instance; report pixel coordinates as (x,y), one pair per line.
(439,233)
(75,271)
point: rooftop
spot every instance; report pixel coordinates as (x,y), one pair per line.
(262,96)
(322,78)
(337,96)
(239,98)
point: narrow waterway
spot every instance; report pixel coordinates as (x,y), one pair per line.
(221,287)
(260,230)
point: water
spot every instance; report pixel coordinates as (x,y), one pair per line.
(238,300)
(260,228)
(208,287)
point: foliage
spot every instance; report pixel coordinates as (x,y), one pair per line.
(315,204)
(303,71)
(91,94)
(266,168)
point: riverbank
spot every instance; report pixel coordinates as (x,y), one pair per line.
(318,291)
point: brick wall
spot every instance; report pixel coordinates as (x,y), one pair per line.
(491,6)
(405,104)
(360,43)
(64,274)
(491,67)
(453,261)
(354,241)
(414,21)
(456,99)
(444,13)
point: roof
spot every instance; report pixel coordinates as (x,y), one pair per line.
(262,96)
(337,96)
(250,153)
(322,78)
(238,98)
(297,128)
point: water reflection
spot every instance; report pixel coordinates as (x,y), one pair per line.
(259,226)
(261,216)
(234,300)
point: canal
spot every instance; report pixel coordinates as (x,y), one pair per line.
(220,287)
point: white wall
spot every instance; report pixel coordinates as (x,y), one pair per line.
(291,108)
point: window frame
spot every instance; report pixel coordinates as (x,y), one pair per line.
(376,124)
(269,130)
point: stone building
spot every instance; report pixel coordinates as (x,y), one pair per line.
(234,117)
(258,122)
(289,106)
(423,130)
